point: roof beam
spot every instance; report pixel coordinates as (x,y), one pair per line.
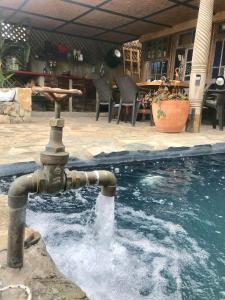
(105,29)
(61,20)
(147,16)
(83,14)
(185,3)
(16,10)
(166,32)
(218,17)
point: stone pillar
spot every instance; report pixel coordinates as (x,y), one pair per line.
(200,63)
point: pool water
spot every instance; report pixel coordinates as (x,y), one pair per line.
(169,232)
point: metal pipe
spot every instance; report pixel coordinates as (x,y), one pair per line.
(17,201)
(105,179)
(57,109)
(50,178)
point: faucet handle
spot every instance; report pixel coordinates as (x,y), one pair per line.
(56,94)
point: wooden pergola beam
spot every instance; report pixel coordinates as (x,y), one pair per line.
(218,17)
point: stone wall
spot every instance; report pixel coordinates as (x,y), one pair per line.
(19,110)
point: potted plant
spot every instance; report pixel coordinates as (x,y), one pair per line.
(170,110)
(6,94)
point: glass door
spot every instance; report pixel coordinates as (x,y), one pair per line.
(183,62)
(219,60)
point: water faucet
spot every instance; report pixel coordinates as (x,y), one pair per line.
(52,177)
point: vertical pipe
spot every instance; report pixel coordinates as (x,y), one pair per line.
(57,109)
(70,98)
(17,220)
(200,63)
(17,201)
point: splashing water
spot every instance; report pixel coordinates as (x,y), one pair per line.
(167,242)
(104,260)
(104,222)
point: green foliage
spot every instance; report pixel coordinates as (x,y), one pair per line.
(160,113)
(164,94)
(4,78)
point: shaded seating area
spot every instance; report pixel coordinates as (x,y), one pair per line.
(103,97)
(214,100)
(129,103)
(129,95)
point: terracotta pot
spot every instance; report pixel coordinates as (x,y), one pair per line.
(175,114)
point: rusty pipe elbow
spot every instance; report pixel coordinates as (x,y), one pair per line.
(20,188)
(105,179)
(17,200)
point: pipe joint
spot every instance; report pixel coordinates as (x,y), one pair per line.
(19,189)
(51,179)
(106,179)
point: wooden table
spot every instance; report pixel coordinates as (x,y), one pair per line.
(173,83)
(157,84)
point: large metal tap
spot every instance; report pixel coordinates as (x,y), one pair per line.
(52,177)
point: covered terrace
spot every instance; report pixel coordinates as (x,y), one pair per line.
(88,30)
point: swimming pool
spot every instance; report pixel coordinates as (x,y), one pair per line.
(169,232)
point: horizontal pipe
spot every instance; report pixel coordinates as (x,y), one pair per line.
(105,179)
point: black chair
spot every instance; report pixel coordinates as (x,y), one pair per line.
(104,97)
(215,100)
(129,94)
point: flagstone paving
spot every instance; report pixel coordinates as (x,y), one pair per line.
(85,138)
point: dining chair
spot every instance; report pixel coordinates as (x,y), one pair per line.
(129,95)
(103,97)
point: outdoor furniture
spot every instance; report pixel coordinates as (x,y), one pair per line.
(129,95)
(158,83)
(103,97)
(56,95)
(215,99)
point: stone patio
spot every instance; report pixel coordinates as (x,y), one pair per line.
(85,138)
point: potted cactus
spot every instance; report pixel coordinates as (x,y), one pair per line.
(170,110)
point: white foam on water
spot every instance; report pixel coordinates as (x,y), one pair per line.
(110,262)
(104,222)
(151,180)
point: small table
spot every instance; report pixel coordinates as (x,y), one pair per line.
(173,83)
(56,95)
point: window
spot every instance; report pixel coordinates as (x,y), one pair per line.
(183,56)
(158,69)
(219,60)
(131,62)
(157,49)
(156,52)
(186,38)
(183,62)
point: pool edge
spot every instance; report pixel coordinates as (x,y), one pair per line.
(119,157)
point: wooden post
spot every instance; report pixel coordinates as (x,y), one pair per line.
(70,98)
(200,63)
